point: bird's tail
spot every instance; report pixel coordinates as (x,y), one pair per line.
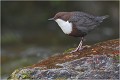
(101,18)
(104,17)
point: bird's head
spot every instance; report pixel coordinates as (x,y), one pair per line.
(59,15)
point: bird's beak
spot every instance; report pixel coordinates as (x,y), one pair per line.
(51,19)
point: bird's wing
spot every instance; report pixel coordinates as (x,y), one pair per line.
(81,19)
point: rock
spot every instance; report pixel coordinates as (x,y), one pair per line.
(99,61)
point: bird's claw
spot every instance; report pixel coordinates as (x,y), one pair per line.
(81,48)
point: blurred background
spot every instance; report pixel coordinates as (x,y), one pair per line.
(28,36)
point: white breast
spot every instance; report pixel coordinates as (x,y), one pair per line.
(66,26)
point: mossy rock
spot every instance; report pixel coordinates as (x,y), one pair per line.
(100,61)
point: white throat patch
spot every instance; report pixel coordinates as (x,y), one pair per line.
(66,26)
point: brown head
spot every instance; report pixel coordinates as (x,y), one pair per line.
(61,15)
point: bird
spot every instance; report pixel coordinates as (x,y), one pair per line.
(77,24)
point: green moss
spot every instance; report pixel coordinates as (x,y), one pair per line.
(21,74)
(13,75)
(25,76)
(69,50)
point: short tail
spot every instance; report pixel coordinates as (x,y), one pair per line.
(101,18)
(104,17)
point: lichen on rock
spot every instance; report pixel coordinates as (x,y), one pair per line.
(100,61)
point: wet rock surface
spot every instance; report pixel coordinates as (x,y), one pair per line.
(100,61)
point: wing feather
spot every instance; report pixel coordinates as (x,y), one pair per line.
(81,19)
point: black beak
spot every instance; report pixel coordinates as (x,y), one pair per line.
(51,19)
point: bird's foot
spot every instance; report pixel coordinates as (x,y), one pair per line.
(76,50)
(81,48)
(85,47)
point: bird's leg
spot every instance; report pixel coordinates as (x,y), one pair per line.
(79,46)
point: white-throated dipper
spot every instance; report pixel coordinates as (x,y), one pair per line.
(77,24)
